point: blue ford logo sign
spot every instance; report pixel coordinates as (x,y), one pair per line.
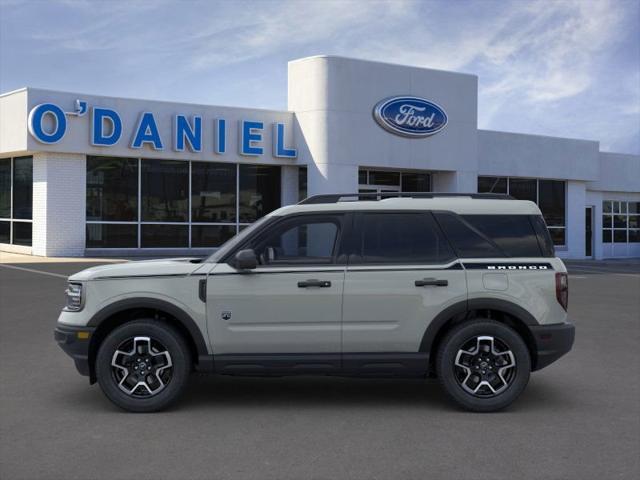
(410,116)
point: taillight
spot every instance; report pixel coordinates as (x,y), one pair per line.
(562,289)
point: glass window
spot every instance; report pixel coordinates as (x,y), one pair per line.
(5,188)
(606,206)
(513,234)
(112,235)
(301,240)
(544,237)
(23,188)
(607,221)
(402,238)
(606,236)
(362,177)
(5,231)
(620,221)
(523,188)
(557,235)
(619,236)
(165,236)
(634,236)
(165,187)
(634,207)
(22,233)
(468,242)
(416,182)
(634,221)
(380,177)
(213,192)
(551,200)
(112,189)
(302,183)
(259,191)
(492,185)
(211,235)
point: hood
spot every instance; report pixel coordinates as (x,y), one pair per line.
(140,268)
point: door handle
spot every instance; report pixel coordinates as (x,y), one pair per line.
(314,283)
(431,282)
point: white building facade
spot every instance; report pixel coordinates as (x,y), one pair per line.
(87,175)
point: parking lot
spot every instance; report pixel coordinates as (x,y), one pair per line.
(578,418)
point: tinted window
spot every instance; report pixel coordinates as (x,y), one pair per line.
(402,238)
(22,233)
(302,183)
(112,189)
(165,188)
(5,231)
(552,202)
(165,236)
(523,188)
(468,243)
(23,193)
(513,234)
(492,185)
(544,238)
(416,182)
(299,241)
(213,192)
(259,191)
(112,235)
(5,188)
(211,235)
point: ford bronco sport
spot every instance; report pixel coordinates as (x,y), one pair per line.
(462,287)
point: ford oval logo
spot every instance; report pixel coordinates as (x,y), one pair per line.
(410,116)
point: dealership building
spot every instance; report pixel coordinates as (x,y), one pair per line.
(89,175)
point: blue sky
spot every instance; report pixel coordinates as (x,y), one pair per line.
(563,68)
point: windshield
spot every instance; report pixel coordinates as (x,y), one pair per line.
(230,244)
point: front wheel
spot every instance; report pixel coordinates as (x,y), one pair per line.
(143,365)
(483,365)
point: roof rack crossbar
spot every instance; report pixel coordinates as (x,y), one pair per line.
(337,197)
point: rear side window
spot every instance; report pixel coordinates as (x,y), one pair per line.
(513,234)
(544,238)
(396,238)
(478,236)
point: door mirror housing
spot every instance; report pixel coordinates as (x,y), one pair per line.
(245,260)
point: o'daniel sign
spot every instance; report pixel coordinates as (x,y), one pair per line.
(408,116)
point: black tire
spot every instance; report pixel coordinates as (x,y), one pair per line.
(474,371)
(167,381)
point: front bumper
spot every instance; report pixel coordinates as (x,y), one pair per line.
(552,342)
(75,343)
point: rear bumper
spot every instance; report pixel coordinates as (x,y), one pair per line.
(552,342)
(75,343)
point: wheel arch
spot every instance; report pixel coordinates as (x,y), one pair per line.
(123,311)
(502,311)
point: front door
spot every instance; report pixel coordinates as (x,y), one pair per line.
(401,274)
(588,231)
(290,304)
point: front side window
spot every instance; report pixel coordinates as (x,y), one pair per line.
(397,238)
(302,240)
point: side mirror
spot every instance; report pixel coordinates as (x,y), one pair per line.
(245,260)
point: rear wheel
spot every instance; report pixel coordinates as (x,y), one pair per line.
(143,366)
(483,365)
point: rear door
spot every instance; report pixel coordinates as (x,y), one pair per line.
(402,272)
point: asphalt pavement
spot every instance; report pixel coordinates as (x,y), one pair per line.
(578,419)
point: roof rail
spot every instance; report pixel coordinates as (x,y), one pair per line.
(374,196)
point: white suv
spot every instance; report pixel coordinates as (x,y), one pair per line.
(462,287)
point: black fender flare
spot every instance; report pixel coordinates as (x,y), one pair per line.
(462,308)
(156,304)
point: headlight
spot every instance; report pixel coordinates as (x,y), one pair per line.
(74,297)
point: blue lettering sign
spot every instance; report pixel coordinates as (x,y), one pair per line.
(221,130)
(98,136)
(279,150)
(36,116)
(249,136)
(184,131)
(147,132)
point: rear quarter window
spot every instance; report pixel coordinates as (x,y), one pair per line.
(478,236)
